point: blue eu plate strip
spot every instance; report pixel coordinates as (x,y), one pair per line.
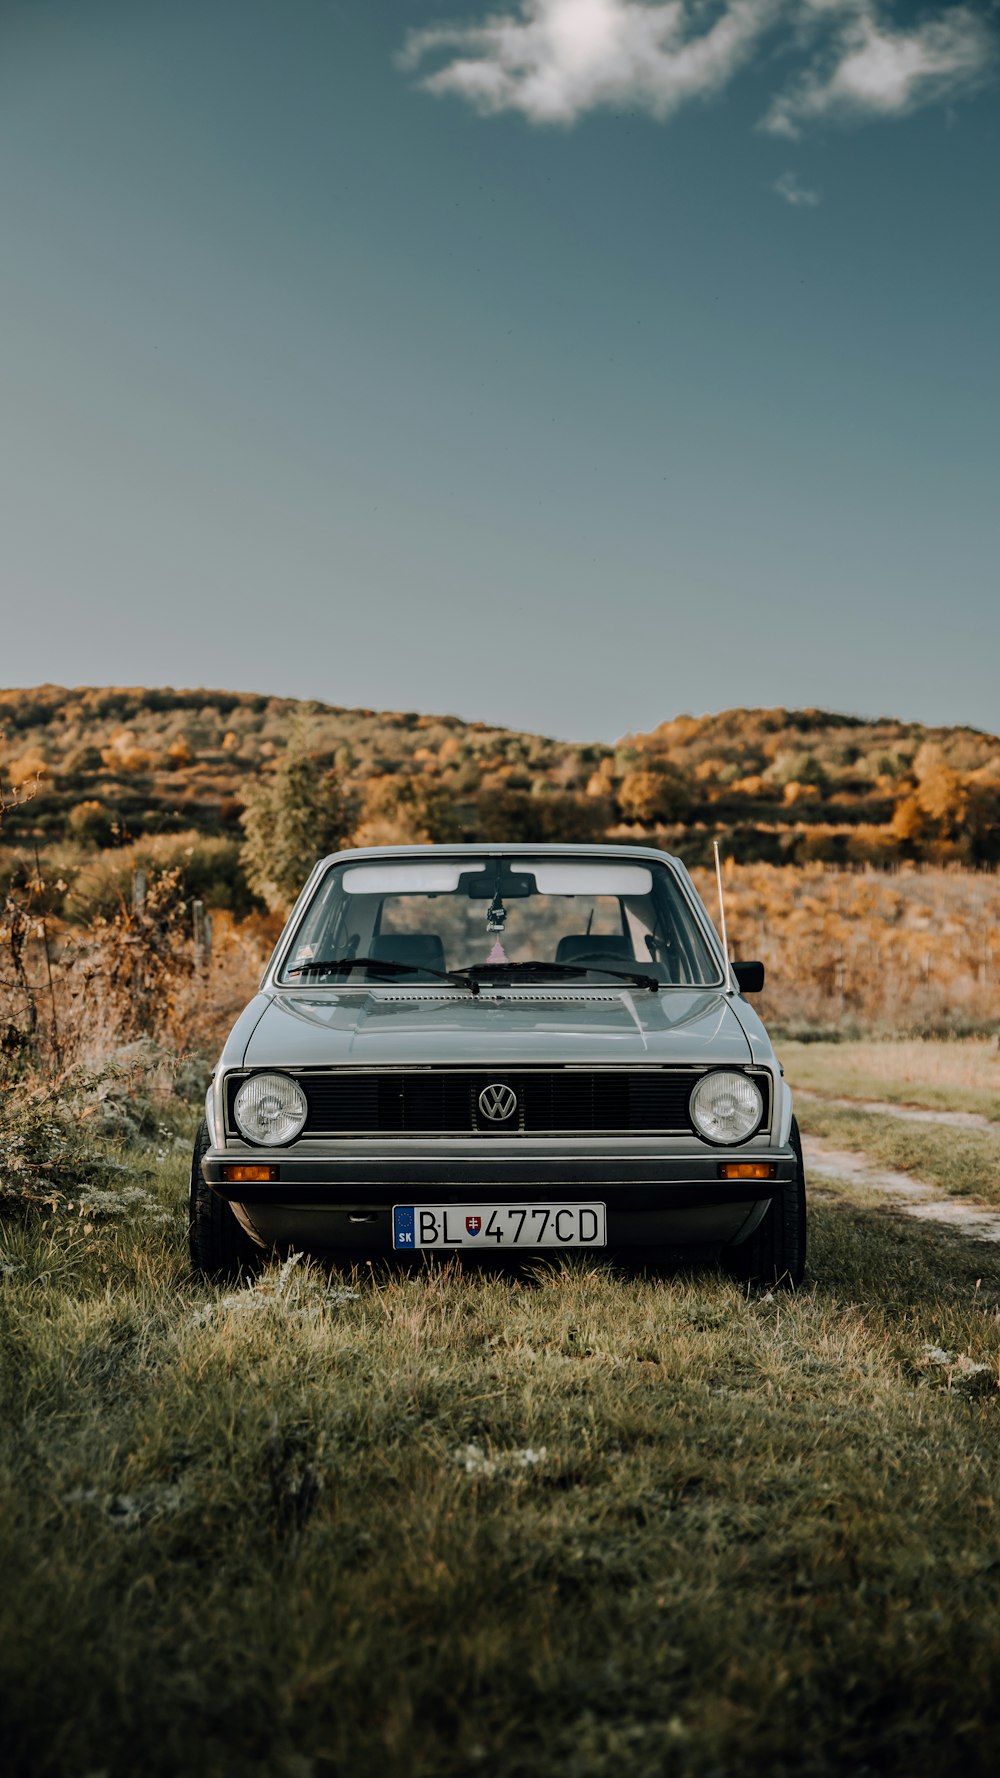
(403,1225)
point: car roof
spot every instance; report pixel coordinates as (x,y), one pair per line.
(500,849)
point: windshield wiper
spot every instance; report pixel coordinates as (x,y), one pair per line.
(470,978)
(381,965)
(561,971)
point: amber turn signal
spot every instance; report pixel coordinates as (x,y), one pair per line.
(747,1170)
(248,1175)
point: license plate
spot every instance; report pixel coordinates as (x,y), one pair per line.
(489,1226)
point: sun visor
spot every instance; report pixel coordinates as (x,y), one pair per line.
(587,878)
(401,879)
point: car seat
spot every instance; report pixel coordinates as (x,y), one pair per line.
(584,947)
(423,949)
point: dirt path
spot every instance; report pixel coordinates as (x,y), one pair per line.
(970,1218)
(913,1114)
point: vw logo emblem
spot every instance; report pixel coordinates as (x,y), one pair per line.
(498,1102)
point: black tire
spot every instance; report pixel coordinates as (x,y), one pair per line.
(776,1251)
(220,1248)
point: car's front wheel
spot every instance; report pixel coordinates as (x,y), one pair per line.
(776,1251)
(219,1247)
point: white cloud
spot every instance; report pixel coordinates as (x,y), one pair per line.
(556,60)
(872,70)
(799,196)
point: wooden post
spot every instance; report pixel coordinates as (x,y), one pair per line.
(199,924)
(138,981)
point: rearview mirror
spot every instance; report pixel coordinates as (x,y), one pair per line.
(750,977)
(482,885)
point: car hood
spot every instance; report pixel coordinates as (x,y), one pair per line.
(391,1027)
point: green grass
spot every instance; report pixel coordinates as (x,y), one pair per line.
(939,1074)
(961,1163)
(569,1521)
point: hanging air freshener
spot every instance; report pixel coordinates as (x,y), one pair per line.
(496,914)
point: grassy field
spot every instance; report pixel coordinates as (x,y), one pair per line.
(961,1163)
(940,1074)
(934,1075)
(560,1521)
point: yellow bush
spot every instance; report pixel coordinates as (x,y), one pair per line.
(794,792)
(21,771)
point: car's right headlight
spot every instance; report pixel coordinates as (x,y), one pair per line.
(726,1106)
(270,1108)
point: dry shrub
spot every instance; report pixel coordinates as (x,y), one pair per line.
(101,1030)
(76,995)
(43,1146)
(48,1155)
(123,973)
(210,999)
(141,975)
(915,950)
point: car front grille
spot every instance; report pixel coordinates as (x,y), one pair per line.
(444,1101)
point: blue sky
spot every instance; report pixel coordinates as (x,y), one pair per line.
(601,363)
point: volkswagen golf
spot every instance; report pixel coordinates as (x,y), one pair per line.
(496,1049)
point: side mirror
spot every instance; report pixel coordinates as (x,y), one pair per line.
(749,976)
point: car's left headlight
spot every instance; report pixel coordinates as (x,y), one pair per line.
(726,1107)
(270,1108)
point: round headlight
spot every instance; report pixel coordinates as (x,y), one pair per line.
(270,1108)
(726,1107)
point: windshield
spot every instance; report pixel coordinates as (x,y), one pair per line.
(427,915)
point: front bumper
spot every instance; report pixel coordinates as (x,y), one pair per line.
(341,1195)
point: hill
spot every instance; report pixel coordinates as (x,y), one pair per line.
(111,765)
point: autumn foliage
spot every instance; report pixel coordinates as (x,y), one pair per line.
(866,850)
(111,765)
(916,950)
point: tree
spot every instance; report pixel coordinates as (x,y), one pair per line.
(400,809)
(983,814)
(655,794)
(943,808)
(90,823)
(291,818)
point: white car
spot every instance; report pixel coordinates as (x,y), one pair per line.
(486,1049)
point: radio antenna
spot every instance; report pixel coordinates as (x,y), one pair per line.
(722,917)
